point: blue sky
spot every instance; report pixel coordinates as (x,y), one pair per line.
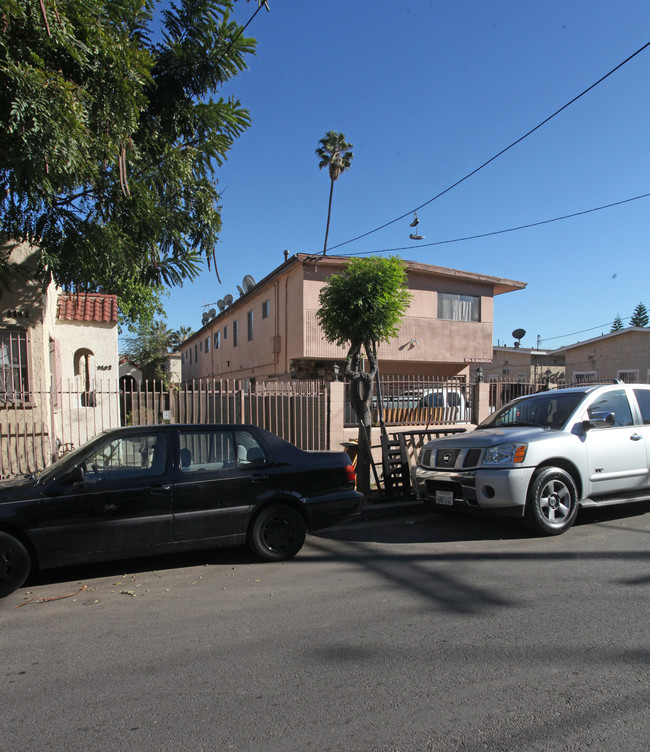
(427,91)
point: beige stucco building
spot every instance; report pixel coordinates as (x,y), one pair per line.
(272,332)
(58,361)
(621,355)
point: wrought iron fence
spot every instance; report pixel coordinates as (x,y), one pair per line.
(35,433)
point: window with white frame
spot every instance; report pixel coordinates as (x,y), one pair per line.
(455,307)
(629,377)
(14,366)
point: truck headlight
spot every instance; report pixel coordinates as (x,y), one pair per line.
(505,454)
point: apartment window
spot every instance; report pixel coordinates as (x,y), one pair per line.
(235,333)
(453,307)
(629,377)
(249,323)
(217,339)
(225,332)
(14,367)
(207,344)
(196,353)
(266,309)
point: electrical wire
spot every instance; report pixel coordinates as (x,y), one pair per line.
(496,156)
(583,331)
(501,232)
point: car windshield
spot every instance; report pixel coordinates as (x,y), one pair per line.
(549,410)
(63,465)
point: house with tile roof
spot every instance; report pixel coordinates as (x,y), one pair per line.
(58,358)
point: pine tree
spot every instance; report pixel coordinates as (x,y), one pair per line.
(617,324)
(640,316)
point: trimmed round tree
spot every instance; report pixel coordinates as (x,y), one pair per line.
(361,308)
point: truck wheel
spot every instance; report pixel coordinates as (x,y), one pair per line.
(15,564)
(552,503)
(277,532)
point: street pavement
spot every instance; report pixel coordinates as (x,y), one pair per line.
(406,631)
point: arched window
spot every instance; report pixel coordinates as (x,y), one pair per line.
(83,369)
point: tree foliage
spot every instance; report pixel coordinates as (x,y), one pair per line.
(335,154)
(148,349)
(617,324)
(111,140)
(640,316)
(361,308)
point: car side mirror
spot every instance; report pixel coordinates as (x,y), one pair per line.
(599,420)
(76,475)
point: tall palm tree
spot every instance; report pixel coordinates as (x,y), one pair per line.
(335,154)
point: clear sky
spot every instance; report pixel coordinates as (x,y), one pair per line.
(427,91)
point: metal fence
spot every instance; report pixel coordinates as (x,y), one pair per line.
(412,400)
(36,432)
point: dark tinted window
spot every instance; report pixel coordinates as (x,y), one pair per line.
(643,398)
(612,402)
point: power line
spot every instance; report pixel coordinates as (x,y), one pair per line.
(496,156)
(501,232)
(582,331)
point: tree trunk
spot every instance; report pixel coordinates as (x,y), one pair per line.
(329,212)
(361,388)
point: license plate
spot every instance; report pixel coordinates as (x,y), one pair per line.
(445,497)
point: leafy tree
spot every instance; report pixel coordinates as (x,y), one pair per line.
(640,316)
(111,141)
(617,324)
(149,351)
(178,336)
(334,153)
(361,308)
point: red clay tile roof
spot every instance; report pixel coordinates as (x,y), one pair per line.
(88,306)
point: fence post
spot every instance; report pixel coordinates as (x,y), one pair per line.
(336,418)
(481,408)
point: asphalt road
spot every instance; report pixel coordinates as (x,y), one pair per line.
(421,633)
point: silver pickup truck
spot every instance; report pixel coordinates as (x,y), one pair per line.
(543,456)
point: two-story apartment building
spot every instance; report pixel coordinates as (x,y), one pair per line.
(272,331)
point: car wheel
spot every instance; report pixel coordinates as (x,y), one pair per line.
(277,532)
(15,564)
(552,503)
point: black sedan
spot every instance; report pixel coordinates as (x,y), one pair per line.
(153,489)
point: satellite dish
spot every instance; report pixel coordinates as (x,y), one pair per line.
(221,305)
(205,318)
(212,313)
(248,282)
(241,292)
(228,299)
(519,333)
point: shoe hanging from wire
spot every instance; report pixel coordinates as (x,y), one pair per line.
(415,223)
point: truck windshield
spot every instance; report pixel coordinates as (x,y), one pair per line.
(549,410)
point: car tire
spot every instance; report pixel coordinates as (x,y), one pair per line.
(15,564)
(552,503)
(277,532)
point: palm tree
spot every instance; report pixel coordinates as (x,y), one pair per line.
(334,153)
(178,336)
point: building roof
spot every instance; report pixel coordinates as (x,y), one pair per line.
(603,337)
(87,306)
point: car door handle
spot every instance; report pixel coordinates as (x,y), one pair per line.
(258,477)
(635,437)
(159,489)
